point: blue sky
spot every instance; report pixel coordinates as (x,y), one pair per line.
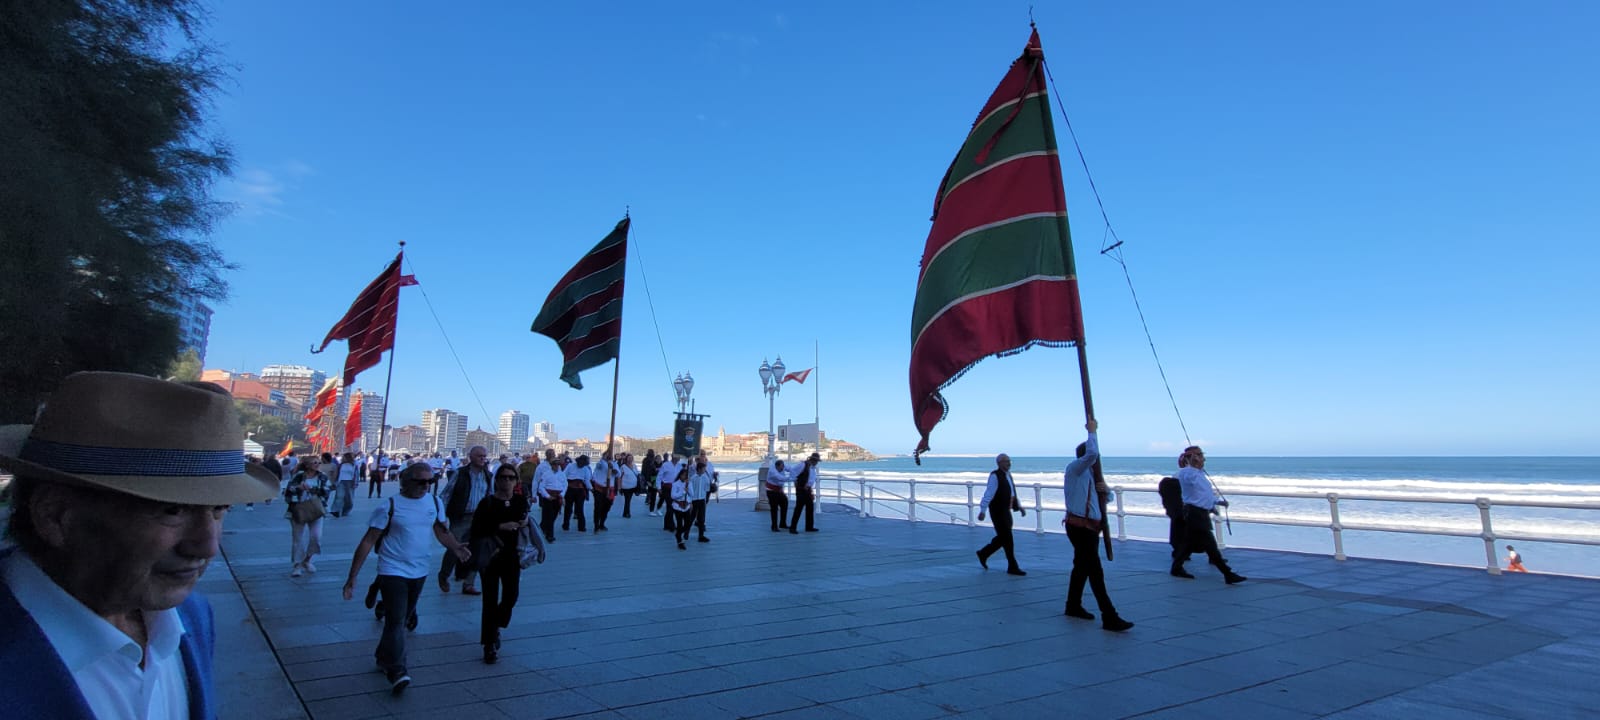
(1356,228)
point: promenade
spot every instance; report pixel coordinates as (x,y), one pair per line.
(890,620)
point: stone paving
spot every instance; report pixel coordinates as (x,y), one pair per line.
(885,619)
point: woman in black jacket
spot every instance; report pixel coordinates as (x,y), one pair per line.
(498,518)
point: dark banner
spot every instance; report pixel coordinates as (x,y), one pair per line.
(686,437)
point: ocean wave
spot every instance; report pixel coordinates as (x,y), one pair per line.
(1442,489)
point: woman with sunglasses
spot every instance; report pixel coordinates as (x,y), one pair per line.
(498,518)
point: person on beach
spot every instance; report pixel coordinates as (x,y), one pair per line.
(121,487)
(1199,502)
(550,486)
(499,517)
(403,531)
(1514,560)
(307,498)
(1000,500)
(471,485)
(777,496)
(805,495)
(1083,522)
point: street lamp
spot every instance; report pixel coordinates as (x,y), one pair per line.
(682,387)
(771,384)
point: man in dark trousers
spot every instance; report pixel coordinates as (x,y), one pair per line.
(999,500)
(1083,522)
(1199,501)
(471,484)
(805,495)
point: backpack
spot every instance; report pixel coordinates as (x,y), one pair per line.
(1171,492)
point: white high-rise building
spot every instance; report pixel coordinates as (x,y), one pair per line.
(447,430)
(545,433)
(514,431)
(371,419)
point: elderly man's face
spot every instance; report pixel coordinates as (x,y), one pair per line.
(478,457)
(121,553)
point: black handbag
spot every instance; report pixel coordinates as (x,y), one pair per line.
(484,550)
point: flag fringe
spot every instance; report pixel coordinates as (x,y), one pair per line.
(938,393)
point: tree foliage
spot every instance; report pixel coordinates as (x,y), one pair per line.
(105,173)
(267,428)
(186,367)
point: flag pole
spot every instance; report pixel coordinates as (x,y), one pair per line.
(383,420)
(1083,354)
(611,435)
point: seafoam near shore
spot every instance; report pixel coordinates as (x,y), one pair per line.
(1552,480)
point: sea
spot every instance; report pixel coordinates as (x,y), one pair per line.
(1439,533)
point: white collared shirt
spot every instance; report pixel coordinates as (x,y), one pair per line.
(103,660)
(1196,488)
(602,475)
(549,480)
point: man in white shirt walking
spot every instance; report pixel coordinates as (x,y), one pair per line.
(1199,502)
(1000,500)
(403,531)
(699,491)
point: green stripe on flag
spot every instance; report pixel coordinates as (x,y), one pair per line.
(1027,133)
(991,258)
(558,305)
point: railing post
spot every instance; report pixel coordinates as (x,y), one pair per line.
(1038,509)
(1492,558)
(1122,518)
(872,499)
(1217,531)
(911,505)
(1338,529)
(861,496)
(970,521)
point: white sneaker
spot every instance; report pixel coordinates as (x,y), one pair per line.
(310,567)
(297,572)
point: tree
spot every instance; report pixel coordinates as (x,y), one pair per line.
(268,429)
(186,367)
(105,190)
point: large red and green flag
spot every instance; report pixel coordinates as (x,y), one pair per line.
(583,313)
(997,274)
(369,324)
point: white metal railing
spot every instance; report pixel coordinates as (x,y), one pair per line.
(870,498)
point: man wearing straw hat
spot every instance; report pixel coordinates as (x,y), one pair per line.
(120,491)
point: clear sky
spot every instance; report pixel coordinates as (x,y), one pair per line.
(1356,228)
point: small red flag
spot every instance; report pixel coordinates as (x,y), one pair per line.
(352,424)
(799,377)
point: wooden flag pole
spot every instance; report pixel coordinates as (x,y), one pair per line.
(1099,473)
(611,436)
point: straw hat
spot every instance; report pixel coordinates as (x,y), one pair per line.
(166,441)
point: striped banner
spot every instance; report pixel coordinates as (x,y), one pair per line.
(583,313)
(997,273)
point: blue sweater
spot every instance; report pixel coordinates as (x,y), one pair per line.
(38,685)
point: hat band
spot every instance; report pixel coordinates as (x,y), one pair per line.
(147,462)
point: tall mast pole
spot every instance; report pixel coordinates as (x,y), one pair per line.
(1083,355)
(388,383)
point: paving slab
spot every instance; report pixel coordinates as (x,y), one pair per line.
(881,618)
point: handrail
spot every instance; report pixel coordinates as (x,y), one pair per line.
(868,496)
